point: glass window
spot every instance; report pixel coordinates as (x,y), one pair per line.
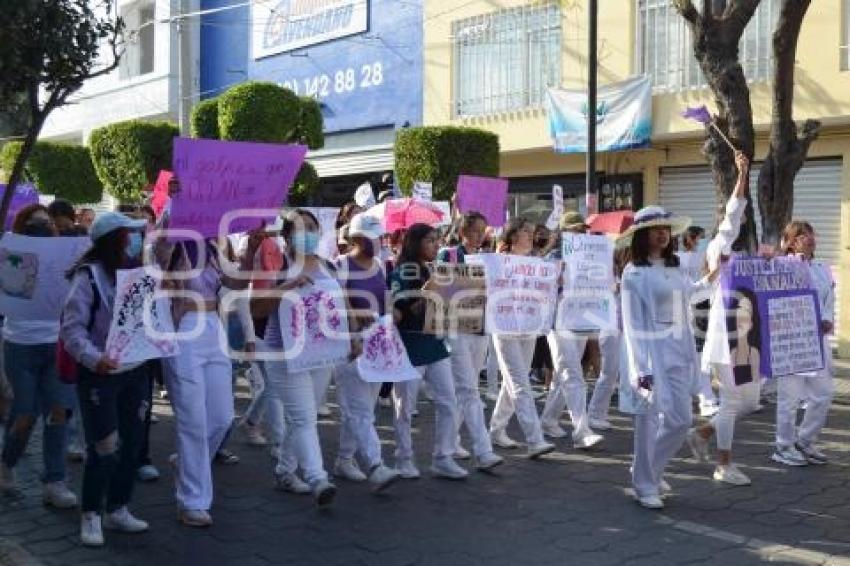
(845,35)
(666,47)
(139,34)
(505,60)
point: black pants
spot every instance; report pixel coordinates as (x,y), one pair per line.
(109,405)
(154,369)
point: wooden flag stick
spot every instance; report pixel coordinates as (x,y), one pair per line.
(722,135)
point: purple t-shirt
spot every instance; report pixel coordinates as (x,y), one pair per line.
(368,286)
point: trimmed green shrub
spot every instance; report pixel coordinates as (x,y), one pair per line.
(129,155)
(63,170)
(205,119)
(310,124)
(441,154)
(258,112)
(306,183)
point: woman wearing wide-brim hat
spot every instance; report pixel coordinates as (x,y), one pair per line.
(659,356)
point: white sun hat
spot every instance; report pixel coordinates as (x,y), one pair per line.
(650,217)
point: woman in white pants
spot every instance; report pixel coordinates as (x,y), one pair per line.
(660,356)
(738,397)
(467,355)
(796,446)
(514,353)
(427,353)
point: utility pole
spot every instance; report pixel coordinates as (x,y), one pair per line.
(592,196)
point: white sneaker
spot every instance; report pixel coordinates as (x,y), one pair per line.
(731,474)
(253,434)
(383,477)
(407,469)
(348,469)
(196,518)
(600,424)
(650,501)
(492,397)
(462,453)
(57,494)
(789,456)
(537,450)
(664,488)
(291,483)
(554,430)
(122,520)
(588,441)
(323,411)
(812,454)
(698,446)
(708,410)
(324,493)
(91,531)
(447,468)
(486,462)
(501,439)
(7,478)
(147,473)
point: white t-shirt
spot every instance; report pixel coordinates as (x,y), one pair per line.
(30,332)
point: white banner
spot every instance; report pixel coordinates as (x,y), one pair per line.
(587,300)
(521,293)
(623,117)
(557,207)
(314,326)
(384,358)
(142,328)
(284,25)
(33,285)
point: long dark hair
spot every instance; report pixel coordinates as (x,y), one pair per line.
(411,246)
(292,220)
(108,251)
(753,338)
(511,230)
(640,250)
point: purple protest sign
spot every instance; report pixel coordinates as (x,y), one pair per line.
(217,177)
(487,195)
(772,317)
(25,195)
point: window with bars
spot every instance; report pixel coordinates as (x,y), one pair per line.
(845,35)
(505,60)
(666,48)
(138,58)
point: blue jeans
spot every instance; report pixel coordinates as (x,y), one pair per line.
(31,371)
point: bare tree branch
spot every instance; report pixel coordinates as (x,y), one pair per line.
(688,11)
(737,15)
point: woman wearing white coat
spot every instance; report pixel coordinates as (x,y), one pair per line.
(796,446)
(660,357)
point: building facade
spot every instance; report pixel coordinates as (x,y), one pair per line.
(488,64)
(362,59)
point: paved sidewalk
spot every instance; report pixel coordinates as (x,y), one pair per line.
(569,508)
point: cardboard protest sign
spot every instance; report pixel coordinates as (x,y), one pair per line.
(459,299)
(521,293)
(587,299)
(33,285)
(25,195)
(384,358)
(160,196)
(486,195)
(557,207)
(773,317)
(142,328)
(217,177)
(314,326)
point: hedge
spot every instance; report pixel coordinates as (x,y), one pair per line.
(441,154)
(310,124)
(258,111)
(129,155)
(65,171)
(205,119)
(306,183)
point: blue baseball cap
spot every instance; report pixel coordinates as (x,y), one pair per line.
(110,221)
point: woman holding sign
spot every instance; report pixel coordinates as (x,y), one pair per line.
(660,354)
(514,353)
(796,446)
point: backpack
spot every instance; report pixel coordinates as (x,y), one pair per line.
(68,367)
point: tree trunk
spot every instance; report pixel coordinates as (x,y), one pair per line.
(787,152)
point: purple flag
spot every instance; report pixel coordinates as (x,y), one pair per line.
(25,195)
(486,195)
(700,114)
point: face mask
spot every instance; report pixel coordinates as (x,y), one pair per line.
(134,245)
(305,243)
(702,245)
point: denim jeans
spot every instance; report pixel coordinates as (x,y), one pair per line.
(31,370)
(113,409)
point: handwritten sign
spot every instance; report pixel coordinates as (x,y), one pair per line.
(142,328)
(217,177)
(460,298)
(314,326)
(554,219)
(384,358)
(33,285)
(486,195)
(587,299)
(160,192)
(521,293)
(25,195)
(773,317)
